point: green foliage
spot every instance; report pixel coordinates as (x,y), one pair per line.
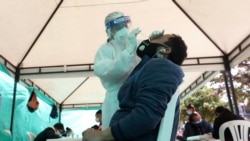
(205,101)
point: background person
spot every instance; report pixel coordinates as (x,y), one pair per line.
(197,126)
(98,118)
(115,59)
(190,109)
(223,115)
(143,98)
(68,132)
(53,132)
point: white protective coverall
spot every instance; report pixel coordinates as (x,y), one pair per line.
(115,60)
(113,63)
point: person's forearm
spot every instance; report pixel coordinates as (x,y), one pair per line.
(107,135)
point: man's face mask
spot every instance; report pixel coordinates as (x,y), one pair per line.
(58,133)
(97,119)
(198,122)
(189,112)
(149,49)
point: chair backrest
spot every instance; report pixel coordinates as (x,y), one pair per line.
(5,135)
(7,132)
(31,136)
(238,128)
(167,122)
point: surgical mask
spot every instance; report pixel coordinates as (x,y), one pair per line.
(121,35)
(97,120)
(58,133)
(189,112)
(197,122)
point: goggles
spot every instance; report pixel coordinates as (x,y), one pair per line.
(118,21)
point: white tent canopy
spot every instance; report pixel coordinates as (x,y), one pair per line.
(53,43)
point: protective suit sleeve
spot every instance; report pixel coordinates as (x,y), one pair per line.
(133,43)
(112,66)
(154,88)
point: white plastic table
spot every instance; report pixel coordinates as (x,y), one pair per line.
(65,139)
(205,137)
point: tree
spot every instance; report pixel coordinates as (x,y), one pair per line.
(241,82)
(205,101)
(214,93)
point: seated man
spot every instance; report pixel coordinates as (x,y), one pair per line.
(50,132)
(144,96)
(197,126)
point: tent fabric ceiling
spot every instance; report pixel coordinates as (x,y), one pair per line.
(66,34)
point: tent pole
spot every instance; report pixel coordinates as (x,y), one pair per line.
(227,89)
(17,76)
(60,112)
(229,86)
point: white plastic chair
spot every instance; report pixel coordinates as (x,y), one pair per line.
(238,128)
(7,132)
(31,136)
(164,133)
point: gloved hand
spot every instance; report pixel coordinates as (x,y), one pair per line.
(156,34)
(132,39)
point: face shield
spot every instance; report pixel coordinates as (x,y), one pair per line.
(118,23)
(118,29)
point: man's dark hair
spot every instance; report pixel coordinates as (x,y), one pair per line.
(59,126)
(220,109)
(98,112)
(190,106)
(223,110)
(179,49)
(95,127)
(226,113)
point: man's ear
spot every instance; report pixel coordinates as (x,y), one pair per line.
(168,50)
(165,51)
